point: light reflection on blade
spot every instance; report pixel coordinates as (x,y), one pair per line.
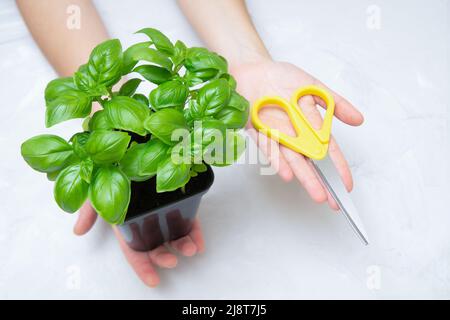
(331,179)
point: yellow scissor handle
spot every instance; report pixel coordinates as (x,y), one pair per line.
(309,141)
(325,132)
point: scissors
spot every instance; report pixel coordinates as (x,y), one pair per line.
(313,144)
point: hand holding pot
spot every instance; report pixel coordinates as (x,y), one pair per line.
(145,263)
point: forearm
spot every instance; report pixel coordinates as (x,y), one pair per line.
(226,27)
(65,48)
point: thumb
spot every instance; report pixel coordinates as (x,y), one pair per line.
(86,219)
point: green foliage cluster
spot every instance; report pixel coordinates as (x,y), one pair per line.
(194,95)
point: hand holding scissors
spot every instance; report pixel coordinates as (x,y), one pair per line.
(313,144)
(282,79)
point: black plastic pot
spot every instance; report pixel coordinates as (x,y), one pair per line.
(154,218)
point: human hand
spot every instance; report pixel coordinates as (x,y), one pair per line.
(279,78)
(145,263)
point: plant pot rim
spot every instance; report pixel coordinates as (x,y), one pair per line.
(209,174)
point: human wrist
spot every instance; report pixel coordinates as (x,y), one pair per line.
(250,61)
(248,56)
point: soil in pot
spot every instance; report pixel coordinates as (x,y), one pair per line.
(144,197)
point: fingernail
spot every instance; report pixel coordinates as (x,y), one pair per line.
(75,230)
(152,282)
(171,260)
(189,249)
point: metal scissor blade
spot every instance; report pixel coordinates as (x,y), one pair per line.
(331,179)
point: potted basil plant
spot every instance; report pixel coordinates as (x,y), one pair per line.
(144,160)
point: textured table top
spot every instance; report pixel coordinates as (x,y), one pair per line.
(265,239)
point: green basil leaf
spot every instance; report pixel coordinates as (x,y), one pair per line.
(192,80)
(230,79)
(193,173)
(127,114)
(171,176)
(179,53)
(107,146)
(141,160)
(99,121)
(85,124)
(46,152)
(206,132)
(73,104)
(197,77)
(80,138)
(201,167)
(129,87)
(128,56)
(160,41)
(155,152)
(86,169)
(196,111)
(110,193)
(187,113)
(205,74)
(78,142)
(226,152)
(153,74)
(169,94)
(132,161)
(105,62)
(164,122)
(201,59)
(153,56)
(141,98)
(212,97)
(70,189)
(238,102)
(52,176)
(232,118)
(58,87)
(85,82)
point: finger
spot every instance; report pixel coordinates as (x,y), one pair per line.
(344,110)
(308,106)
(305,174)
(331,202)
(86,219)
(163,258)
(185,246)
(196,235)
(271,150)
(341,164)
(139,261)
(309,109)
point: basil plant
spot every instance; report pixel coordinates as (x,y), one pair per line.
(188,120)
